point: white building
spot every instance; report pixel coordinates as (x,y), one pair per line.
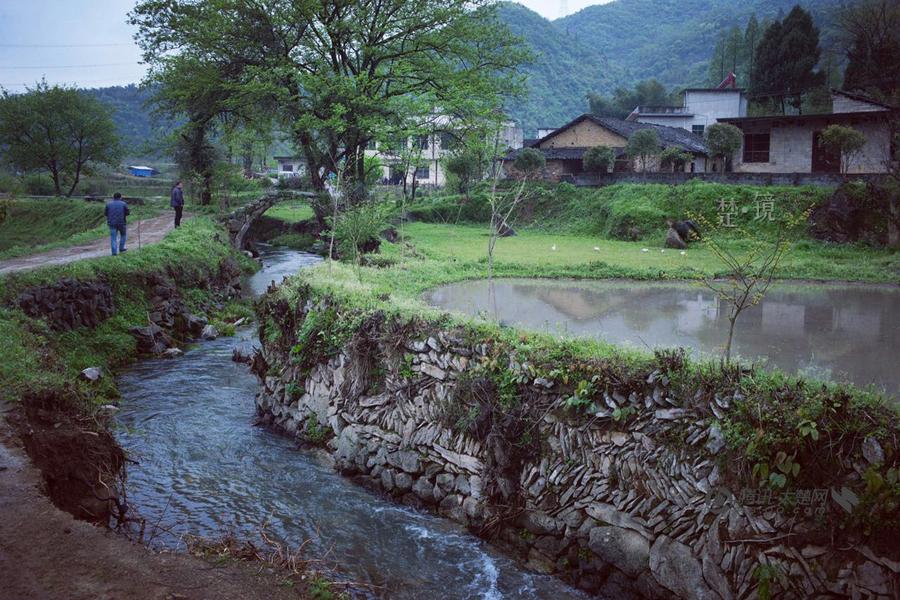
(290,166)
(429,151)
(701,108)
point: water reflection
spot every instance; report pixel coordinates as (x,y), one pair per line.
(839,332)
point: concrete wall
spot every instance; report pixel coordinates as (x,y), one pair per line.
(843,104)
(708,106)
(790,150)
(297,167)
(586,134)
(830,180)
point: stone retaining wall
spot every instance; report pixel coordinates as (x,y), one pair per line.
(627,502)
(69,303)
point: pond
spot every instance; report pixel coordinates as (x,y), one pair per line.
(833,332)
(202,467)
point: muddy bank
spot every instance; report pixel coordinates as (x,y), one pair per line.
(45,553)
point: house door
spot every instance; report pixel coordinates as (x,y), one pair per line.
(823,160)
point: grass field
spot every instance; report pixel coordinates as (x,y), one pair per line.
(293,211)
(535,249)
(35,225)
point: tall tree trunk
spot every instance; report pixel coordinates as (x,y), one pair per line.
(75,183)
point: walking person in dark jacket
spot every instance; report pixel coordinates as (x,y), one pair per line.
(177,201)
(116,210)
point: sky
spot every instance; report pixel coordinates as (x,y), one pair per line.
(87,43)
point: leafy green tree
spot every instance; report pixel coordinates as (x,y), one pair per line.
(751,39)
(847,142)
(338,74)
(785,61)
(642,146)
(598,159)
(723,140)
(467,168)
(58,130)
(623,100)
(871,34)
(529,162)
(674,158)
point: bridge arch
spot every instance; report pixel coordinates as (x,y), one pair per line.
(241,220)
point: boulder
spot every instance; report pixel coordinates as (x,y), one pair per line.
(424,490)
(91,374)
(209,333)
(505,230)
(625,549)
(172,353)
(676,568)
(243,353)
(673,240)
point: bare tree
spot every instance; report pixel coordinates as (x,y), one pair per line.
(749,275)
(504,203)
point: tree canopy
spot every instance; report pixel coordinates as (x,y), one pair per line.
(624,100)
(643,144)
(598,159)
(846,142)
(335,74)
(723,140)
(785,60)
(871,31)
(58,130)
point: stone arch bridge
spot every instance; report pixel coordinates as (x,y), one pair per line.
(241,220)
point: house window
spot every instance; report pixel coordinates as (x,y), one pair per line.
(423,173)
(756,147)
(421,142)
(287,168)
(370,145)
(448,141)
(697,129)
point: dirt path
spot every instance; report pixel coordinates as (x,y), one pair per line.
(151,231)
(45,554)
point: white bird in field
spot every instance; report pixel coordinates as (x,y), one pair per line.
(645,250)
(663,250)
(553,247)
(683,252)
(596,248)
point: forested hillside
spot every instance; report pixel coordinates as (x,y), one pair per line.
(561,74)
(596,49)
(141,132)
(626,41)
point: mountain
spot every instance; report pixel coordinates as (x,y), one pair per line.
(562,72)
(626,41)
(141,132)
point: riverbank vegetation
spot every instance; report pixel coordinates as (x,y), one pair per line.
(780,432)
(35,357)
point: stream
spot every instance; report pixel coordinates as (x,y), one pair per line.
(203,468)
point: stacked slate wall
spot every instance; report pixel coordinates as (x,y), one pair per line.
(626,500)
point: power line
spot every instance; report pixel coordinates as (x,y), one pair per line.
(66,45)
(70,66)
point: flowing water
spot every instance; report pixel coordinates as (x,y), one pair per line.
(836,332)
(203,468)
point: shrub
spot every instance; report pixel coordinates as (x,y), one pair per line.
(598,159)
(530,161)
(357,230)
(9,184)
(39,185)
(642,145)
(723,140)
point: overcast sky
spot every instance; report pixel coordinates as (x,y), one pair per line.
(87,42)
